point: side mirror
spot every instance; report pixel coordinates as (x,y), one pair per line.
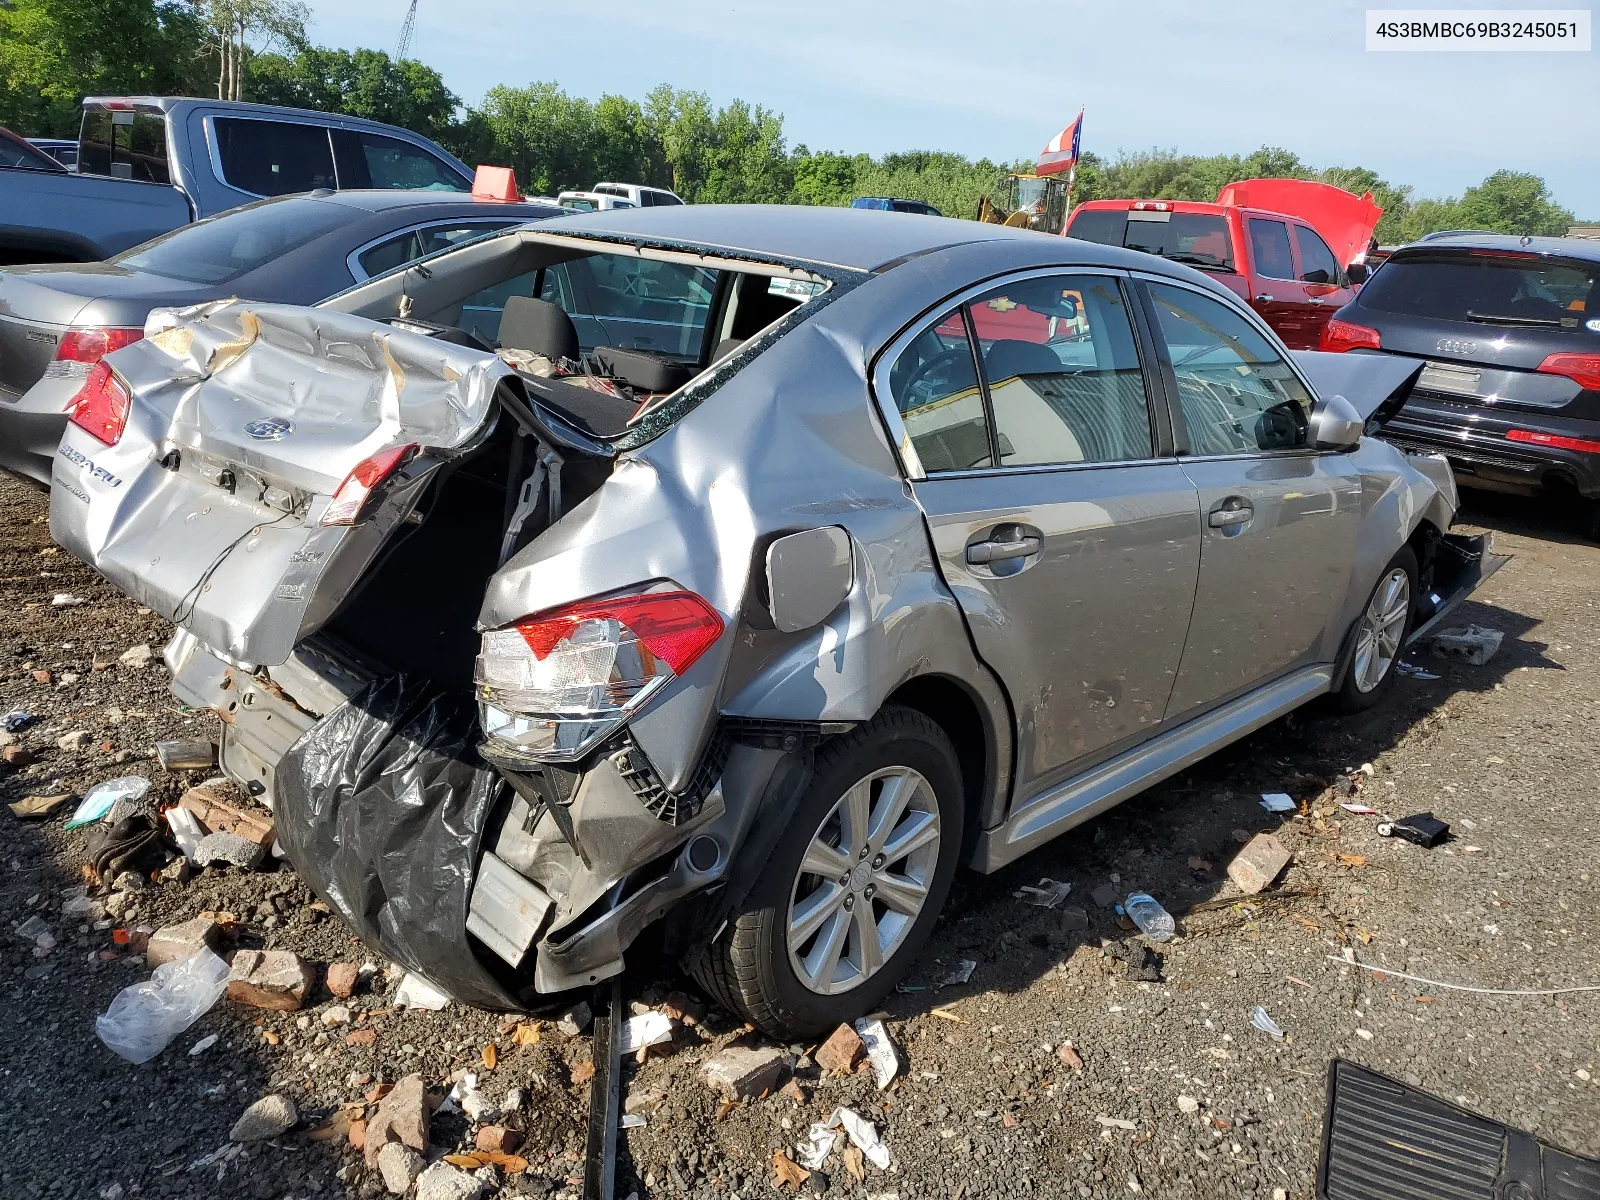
(1357,272)
(1335,424)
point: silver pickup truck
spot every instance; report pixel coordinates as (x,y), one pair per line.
(148,164)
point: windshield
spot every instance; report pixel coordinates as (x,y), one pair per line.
(1199,239)
(1490,288)
(225,247)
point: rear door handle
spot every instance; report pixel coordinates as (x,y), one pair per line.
(1263,299)
(1226,518)
(980,553)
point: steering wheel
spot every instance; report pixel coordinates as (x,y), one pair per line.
(943,359)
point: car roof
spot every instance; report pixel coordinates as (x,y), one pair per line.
(1564,247)
(377,200)
(1182,206)
(855,238)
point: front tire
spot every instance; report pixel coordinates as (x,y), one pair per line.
(854,886)
(1379,636)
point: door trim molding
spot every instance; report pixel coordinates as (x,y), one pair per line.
(1087,795)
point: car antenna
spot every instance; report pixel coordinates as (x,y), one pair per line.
(405,297)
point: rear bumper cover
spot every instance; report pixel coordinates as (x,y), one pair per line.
(1473,438)
(31,426)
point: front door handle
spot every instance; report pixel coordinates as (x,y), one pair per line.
(1263,299)
(980,553)
(1227,518)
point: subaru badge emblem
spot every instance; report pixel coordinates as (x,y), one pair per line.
(270,430)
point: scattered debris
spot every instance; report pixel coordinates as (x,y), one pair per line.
(275,979)
(1105,895)
(1144,964)
(1069,1056)
(497,1139)
(66,600)
(466,1096)
(841,1052)
(402,1117)
(1196,863)
(1145,911)
(228,848)
(1412,671)
(186,755)
(1361,810)
(342,978)
(399,1165)
(1278,802)
(1263,1022)
(962,973)
(862,1134)
(1047,893)
(1188,1105)
(743,1074)
(880,1050)
(416,992)
(37,808)
(444,1182)
(1116,1123)
(216,814)
(144,1018)
(203,1045)
(186,831)
(17,756)
(173,943)
(575,1020)
(76,740)
(786,1173)
(649,1029)
(98,800)
(1424,829)
(136,656)
(1471,643)
(1258,864)
(266,1118)
(16,720)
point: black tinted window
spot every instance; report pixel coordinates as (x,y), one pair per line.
(29,158)
(417,243)
(125,144)
(274,158)
(371,160)
(1236,392)
(1063,372)
(1269,246)
(1098,225)
(1199,239)
(217,250)
(1317,264)
(1489,289)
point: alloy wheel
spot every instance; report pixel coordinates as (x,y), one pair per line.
(863,880)
(1382,627)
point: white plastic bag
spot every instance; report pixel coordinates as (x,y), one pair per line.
(143,1018)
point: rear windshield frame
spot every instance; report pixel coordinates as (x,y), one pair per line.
(1401,268)
(142,125)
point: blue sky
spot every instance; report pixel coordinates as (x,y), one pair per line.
(998,80)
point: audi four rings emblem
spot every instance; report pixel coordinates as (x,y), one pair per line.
(1455,346)
(272,429)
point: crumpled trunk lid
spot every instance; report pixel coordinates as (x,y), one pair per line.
(245,420)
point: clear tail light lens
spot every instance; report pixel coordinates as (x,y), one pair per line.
(350,502)
(551,686)
(1339,336)
(100,406)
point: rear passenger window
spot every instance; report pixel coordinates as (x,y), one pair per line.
(1317,263)
(1235,391)
(273,158)
(416,243)
(371,160)
(935,389)
(1269,246)
(1063,372)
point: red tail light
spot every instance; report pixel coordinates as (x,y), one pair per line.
(676,627)
(1584,369)
(100,407)
(1339,336)
(1151,206)
(350,501)
(1553,440)
(89,346)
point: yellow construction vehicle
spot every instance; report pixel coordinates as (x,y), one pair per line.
(1026,202)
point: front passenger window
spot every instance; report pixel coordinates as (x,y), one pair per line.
(1236,392)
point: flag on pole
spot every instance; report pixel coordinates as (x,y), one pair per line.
(1061,155)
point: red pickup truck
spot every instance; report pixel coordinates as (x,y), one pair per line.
(1284,246)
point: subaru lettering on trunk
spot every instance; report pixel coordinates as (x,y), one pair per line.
(736,574)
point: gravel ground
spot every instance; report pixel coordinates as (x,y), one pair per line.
(1177,1095)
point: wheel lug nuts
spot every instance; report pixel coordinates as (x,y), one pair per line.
(849,901)
(844,881)
(877,863)
(870,891)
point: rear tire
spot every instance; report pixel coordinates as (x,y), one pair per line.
(1379,636)
(854,886)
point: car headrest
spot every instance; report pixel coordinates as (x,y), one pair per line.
(1008,357)
(538,327)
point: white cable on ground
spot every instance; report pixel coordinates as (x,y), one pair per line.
(1463,987)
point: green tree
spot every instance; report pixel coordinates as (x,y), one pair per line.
(362,83)
(55,52)
(1514,202)
(824,178)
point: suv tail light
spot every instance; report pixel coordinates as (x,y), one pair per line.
(1339,336)
(1584,369)
(80,349)
(350,502)
(100,406)
(1553,440)
(551,686)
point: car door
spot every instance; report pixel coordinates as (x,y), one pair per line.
(1279,518)
(1067,534)
(1278,294)
(1327,291)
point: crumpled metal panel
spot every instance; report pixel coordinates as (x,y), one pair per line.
(249,569)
